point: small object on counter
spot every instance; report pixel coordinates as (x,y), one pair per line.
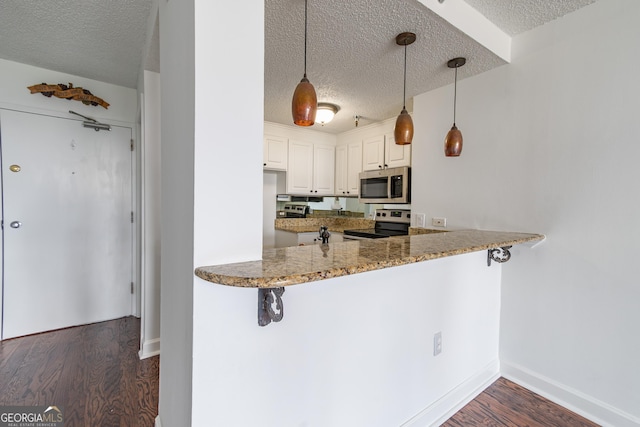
(324,234)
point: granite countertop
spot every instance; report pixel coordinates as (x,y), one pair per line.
(336,224)
(301,264)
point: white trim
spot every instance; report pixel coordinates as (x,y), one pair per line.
(158,423)
(150,348)
(472,23)
(445,407)
(589,407)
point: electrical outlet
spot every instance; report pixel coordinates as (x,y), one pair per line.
(437,343)
(439,222)
(419,219)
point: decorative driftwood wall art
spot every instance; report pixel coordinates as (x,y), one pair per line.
(68,92)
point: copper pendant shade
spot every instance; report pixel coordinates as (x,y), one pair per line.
(453,140)
(403,131)
(305,102)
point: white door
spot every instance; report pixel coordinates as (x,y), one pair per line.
(67,231)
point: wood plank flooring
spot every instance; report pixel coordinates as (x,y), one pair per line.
(92,372)
(505,403)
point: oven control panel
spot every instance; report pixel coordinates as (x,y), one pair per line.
(394,215)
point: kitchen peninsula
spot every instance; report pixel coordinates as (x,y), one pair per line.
(302,264)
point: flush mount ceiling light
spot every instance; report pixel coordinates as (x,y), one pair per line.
(326,112)
(304,103)
(453,140)
(403,131)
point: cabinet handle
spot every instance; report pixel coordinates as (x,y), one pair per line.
(264,164)
(347,192)
(386,166)
(380,166)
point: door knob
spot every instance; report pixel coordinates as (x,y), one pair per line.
(15,224)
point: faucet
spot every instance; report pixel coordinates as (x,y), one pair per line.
(324,234)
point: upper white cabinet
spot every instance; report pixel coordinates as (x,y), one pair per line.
(381,152)
(311,169)
(396,155)
(274,154)
(348,167)
(324,157)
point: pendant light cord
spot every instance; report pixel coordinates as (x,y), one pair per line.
(455,94)
(404,90)
(305,38)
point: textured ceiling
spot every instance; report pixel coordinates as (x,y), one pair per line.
(98,39)
(514,17)
(353,60)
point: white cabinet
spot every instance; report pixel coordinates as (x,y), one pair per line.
(396,155)
(324,158)
(348,167)
(274,153)
(381,152)
(311,169)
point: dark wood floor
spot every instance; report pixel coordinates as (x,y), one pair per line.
(93,372)
(507,404)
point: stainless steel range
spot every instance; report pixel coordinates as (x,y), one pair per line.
(389,222)
(295,211)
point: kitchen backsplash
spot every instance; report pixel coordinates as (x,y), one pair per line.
(330,213)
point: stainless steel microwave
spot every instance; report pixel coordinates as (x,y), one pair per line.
(391,185)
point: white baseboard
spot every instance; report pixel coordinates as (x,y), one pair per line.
(158,423)
(150,348)
(444,408)
(589,407)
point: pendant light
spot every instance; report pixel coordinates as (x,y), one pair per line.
(403,131)
(304,103)
(453,140)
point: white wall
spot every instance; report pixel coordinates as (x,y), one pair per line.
(151,213)
(16,77)
(177,68)
(350,351)
(211,152)
(551,146)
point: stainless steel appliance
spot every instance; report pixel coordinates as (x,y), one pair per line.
(389,222)
(391,185)
(295,211)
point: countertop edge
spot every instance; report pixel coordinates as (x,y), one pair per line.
(239,279)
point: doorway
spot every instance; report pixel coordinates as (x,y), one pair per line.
(67,223)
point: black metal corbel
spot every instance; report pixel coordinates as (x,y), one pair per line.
(266,298)
(498,255)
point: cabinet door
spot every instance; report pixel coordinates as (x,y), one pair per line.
(396,155)
(324,158)
(274,154)
(300,168)
(354,167)
(341,170)
(373,153)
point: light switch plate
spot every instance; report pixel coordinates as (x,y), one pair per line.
(419,220)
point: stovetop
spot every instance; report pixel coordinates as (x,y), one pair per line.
(389,222)
(372,233)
